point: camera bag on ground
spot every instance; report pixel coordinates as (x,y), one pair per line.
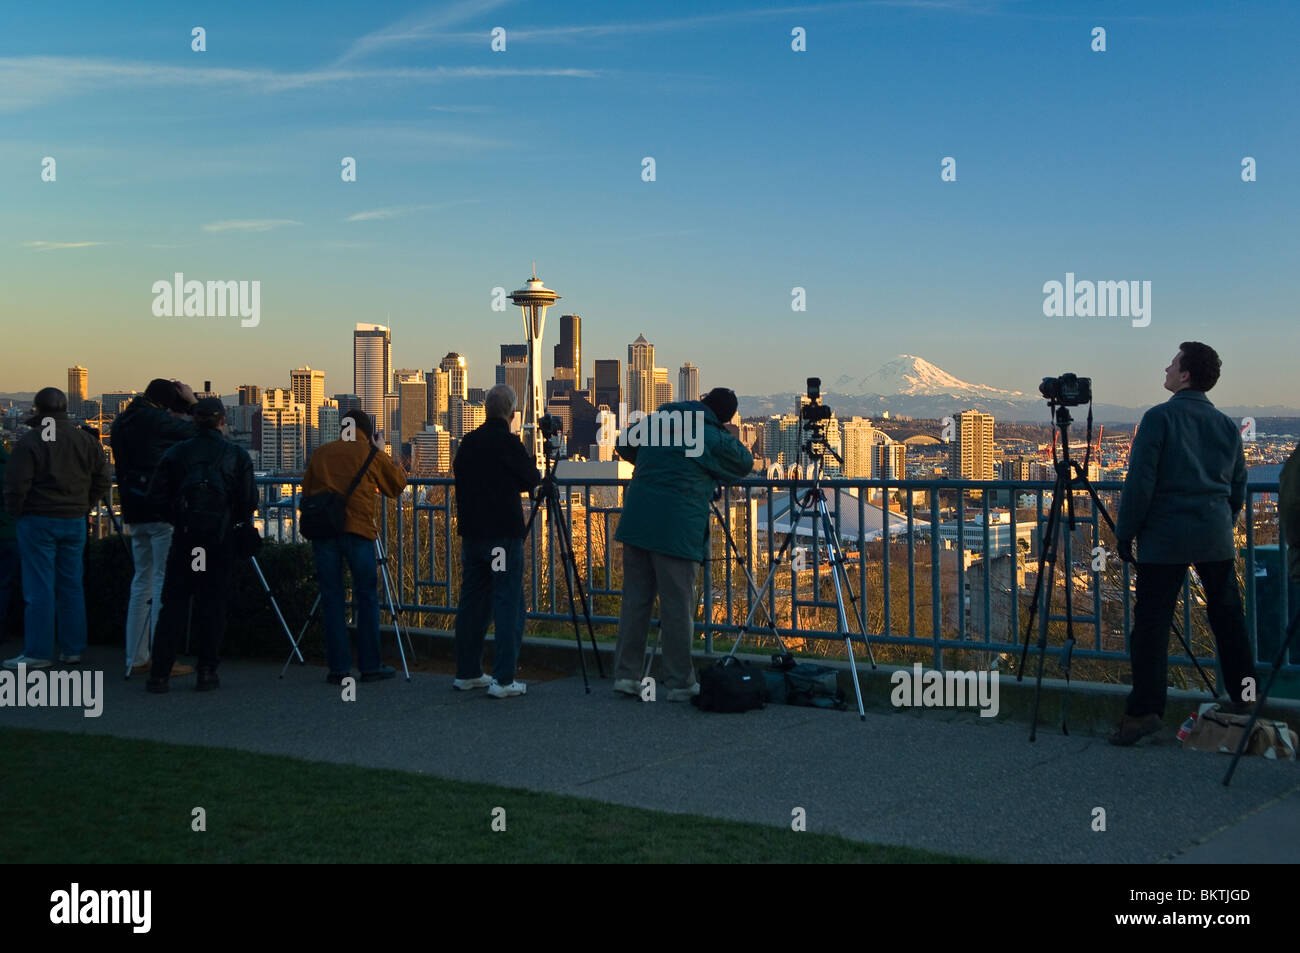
(814,686)
(1216,730)
(324,515)
(730,685)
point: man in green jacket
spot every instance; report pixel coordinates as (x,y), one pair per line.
(1185,488)
(681,453)
(1289,511)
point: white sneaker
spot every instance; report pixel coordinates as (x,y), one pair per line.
(468,684)
(31,663)
(69,659)
(683,694)
(627,686)
(516,687)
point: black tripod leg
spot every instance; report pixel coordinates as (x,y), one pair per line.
(1259,704)
(567,566)
(1048,559)
(1067,651)
(1045,544)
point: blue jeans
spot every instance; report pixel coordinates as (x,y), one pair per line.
(488,592)
(51,552)
(9,563)
(359,553)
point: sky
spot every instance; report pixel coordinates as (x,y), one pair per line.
(775,169)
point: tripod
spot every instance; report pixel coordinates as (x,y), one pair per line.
(549,494)
(1069,475)
(394,609)
(813,504)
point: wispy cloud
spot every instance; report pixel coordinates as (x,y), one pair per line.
(248,224)
(55,246)
(397,211)
(34,80)
(419,28)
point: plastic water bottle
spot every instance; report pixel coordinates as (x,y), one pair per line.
(1186,730)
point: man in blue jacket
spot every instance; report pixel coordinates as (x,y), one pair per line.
(1185,488)
(664,527)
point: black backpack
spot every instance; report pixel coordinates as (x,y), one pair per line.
(203,508)
(730,686)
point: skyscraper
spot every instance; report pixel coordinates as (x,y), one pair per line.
(430,452)
(114,401)
(457,372)
(607,384)
(413,394)
(284,432)
(372,364)
(972,446)
(889,460)
(568,353)
(688,382)
(513,369)
(640,375)
(859,440)
(249,394)
(438,387)
(78,389)
(663,390)
(308,387)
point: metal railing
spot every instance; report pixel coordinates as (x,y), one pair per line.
(951,580)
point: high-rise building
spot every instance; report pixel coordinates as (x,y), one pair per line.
(859,440)
(607,385)
(206,392)
(393,424)
(578,414)
(457,388)
(372,364)
(782,439)
(114,402)
(889,460)
(328,428)
(308,387)
(78,389)
(413,394)
(283,432)
(568,353)
(640,375)
(469,417)
(250,394)
(347,402)
(663,389)
(431,452)
(513,369)
(688,382)
(405,374)
(438,384)
(972,447)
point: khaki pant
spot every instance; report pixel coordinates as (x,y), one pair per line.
(644,574)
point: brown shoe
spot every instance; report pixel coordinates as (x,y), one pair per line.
(142,667)
(1132,728)
(178,670)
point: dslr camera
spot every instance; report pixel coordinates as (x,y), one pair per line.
(815,411)
(550,426)
(1068,390)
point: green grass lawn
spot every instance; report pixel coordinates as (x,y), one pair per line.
(73,798)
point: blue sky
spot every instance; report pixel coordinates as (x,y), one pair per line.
(775,169)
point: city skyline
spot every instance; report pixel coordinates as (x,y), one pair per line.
(844,203)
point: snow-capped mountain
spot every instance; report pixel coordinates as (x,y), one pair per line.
(911,376)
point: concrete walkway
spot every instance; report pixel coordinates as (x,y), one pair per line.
(941,781)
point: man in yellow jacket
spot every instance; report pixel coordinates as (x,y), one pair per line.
(332,468)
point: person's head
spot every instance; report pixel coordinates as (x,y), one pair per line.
(50,400)
(1195,367)
(722,401)
(500,403)
(161,392)
(209,413)
(362,422)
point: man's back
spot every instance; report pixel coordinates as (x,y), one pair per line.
(492,469)
(332,468)
(141,434)
(212,456)
(56,470)
(1186,482)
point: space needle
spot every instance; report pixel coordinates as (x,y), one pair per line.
(533,300)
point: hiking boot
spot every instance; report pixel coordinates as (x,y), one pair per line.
(1132,728)
(157,686)
(208,681)
(380,674)
(469,684)
(628,686)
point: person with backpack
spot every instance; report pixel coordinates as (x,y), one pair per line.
(203,486)
(56,475)
(153,422)
(350,472)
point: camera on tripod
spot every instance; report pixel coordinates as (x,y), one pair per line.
(815,411)
(550,426)
(1068,390)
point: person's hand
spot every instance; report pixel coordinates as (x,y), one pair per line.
(1124,549)
(376,442)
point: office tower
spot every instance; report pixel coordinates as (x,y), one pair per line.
(78,389)
(972,446)
(568,353)
(688,382)
(249,394)
(114,402)
(578,415)
(640,375)
(607,384)
(328,428)
(283,432)
(749,435)
(859,439)
(206,392)
(476,395)
(404,374)
(347,402)
(431,452)
(308,387)
(889,460)
(834,439)
(1014,468)
(458,375)
(438,384)
(663,390)
(372,363)
(392,425)
(413,394)
(513,370)
(514,353)
(468,418)
(782,439)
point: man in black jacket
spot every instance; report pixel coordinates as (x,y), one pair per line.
(153,422)
(205,486)
(492,470)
